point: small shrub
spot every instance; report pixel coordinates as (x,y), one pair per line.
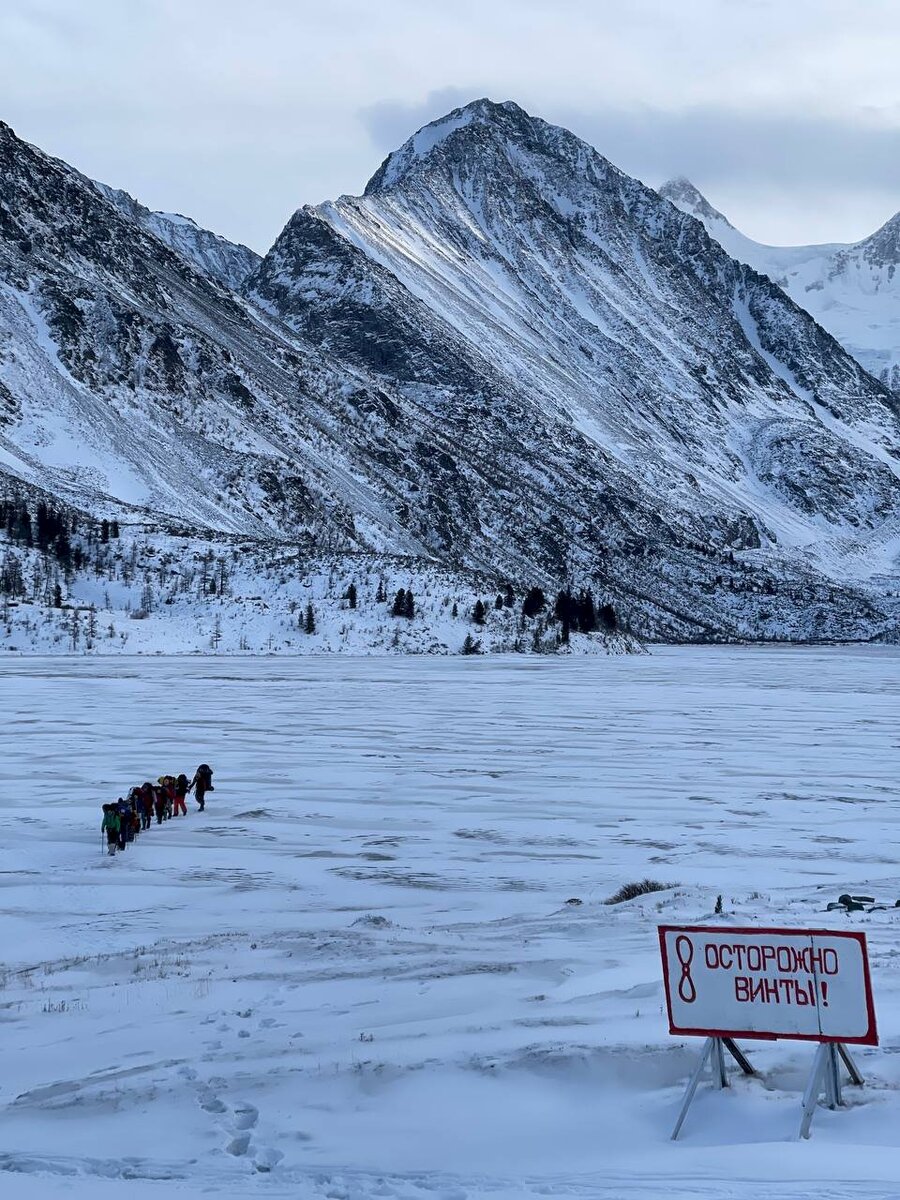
(628,891)
(718,907)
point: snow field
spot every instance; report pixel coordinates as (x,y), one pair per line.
(357,975)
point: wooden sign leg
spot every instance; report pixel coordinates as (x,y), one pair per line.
(813,1088)
(738,1055)
(852,1069)
(714,1051)
(692,1085)
(826,1077)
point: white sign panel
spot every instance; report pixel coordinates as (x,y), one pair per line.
(808,984)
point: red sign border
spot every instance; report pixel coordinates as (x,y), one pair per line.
(870,1038)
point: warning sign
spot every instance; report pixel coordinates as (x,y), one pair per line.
(808,984)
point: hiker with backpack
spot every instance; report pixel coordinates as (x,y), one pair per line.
(159,802)
(126,832)
(110,826)
(135,815)
(145,805)
(181,790)
(201,784)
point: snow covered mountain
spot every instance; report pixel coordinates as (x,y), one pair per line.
(225,261)
(853,290)
(507,358)
(494,246)
(134,380)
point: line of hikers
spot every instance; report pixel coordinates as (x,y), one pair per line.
(124,820)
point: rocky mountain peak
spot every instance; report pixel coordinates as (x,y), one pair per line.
(882,248)
(684,195)
(472,142)
(432,138)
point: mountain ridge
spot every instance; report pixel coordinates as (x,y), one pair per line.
(852,289)
(506,357)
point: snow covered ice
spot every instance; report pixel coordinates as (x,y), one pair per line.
(357,973)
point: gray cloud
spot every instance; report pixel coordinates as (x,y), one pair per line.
(786,149)
(786,113)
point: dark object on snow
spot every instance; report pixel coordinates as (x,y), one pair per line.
(110,826)
(201,784)
(628,891)
(848,903)
(574,901)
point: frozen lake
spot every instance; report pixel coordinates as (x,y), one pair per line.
(356,974)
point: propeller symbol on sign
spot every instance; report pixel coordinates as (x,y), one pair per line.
(684,950)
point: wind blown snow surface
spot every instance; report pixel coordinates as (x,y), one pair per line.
(357,974)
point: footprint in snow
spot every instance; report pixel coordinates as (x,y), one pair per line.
(245,1116)
(266,1159)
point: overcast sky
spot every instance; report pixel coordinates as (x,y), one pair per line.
(786,113)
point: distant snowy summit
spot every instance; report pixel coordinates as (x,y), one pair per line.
(853,290)
(507,360)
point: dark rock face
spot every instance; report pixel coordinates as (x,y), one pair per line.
(507,356)
(602,349)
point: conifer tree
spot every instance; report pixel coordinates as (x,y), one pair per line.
(498,603)
(608,619)
(309,624)
(566,612)
(399,609)
(409,607)
(62,550)
(534,602)
(23,531)
(350,595)
(478,615)
(587,613)
(510,597)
